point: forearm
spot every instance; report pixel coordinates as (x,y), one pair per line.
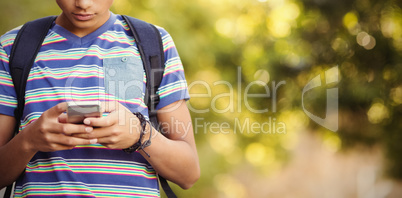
(175,160)
(173,156)
(14,156)
(46,134)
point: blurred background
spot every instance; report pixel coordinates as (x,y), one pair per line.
(247,63)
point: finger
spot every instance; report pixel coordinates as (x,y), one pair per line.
(97,133)
(58,147)
(74,141)
(57,109)
(62,142)
(62,118)
(104,121)
(71,129)
(111,140)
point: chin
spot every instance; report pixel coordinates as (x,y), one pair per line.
(84,24)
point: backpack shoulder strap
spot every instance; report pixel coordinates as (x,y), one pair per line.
(150,46)
(23,53)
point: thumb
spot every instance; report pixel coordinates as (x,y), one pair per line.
(109,106)
(63,118)
(57,109)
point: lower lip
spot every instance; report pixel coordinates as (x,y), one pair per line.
(83,17)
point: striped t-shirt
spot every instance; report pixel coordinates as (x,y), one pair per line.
(104,65)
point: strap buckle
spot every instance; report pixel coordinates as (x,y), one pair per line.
(154,100)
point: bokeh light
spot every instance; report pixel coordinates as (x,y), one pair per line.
(228,46)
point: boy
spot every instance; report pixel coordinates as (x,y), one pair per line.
(50,156)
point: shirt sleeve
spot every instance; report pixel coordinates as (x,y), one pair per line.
(8,99)
(174,85)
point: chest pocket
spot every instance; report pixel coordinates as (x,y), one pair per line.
(124,77)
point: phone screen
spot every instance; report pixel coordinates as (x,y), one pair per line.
(78,111)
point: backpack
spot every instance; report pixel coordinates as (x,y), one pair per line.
(149,43)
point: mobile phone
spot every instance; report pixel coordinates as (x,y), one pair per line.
(77,111)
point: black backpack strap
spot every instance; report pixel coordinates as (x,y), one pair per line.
(166,188)
(150,46)
(23,53)
(8,191)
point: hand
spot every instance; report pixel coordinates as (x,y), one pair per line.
(50,133)
(118,130)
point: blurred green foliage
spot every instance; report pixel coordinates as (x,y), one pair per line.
(228,45)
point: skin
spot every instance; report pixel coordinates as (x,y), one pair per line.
(119,130)
(81,17)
